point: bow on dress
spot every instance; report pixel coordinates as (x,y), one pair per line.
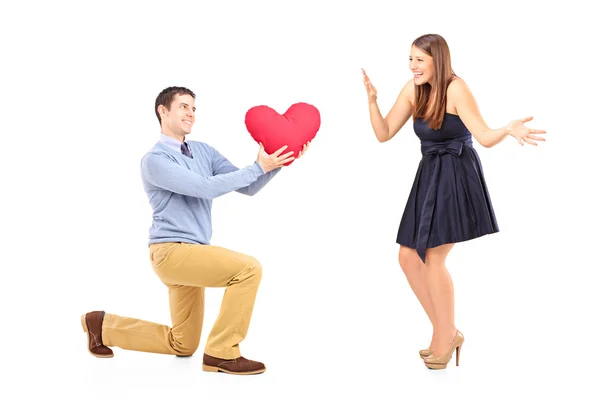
(436,149)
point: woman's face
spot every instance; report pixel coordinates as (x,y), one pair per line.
(421,65)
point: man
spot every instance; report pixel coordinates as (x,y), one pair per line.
(181,178)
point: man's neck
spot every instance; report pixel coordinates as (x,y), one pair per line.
(180,138)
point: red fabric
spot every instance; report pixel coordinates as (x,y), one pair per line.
(298,125)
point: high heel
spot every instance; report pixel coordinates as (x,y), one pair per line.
(441,362)
(426,352)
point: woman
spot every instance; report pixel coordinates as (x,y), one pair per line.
(449,201)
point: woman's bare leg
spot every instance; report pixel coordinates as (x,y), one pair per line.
(441,292)
(414,270)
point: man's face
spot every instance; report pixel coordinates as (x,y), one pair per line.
(179,119)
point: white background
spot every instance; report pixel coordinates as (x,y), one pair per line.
(335,317)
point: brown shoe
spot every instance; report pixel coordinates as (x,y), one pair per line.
(92,325)
(238,366)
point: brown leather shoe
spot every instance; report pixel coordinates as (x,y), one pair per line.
(92,325)
(238,366)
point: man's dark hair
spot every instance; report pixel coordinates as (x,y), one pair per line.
(166,97)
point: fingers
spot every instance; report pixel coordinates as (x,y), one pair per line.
(536,131)
(368,85)
(285,161)
(366,79)
(529,141)
(372,88)
(277,158)
(526,119)
(533,137)
(285,155)
(304,148)
(278,152)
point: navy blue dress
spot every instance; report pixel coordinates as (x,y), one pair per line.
(449,200)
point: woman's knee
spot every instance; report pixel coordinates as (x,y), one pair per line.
(436,256)
(408,258)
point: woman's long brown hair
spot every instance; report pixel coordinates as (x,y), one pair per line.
(430,100)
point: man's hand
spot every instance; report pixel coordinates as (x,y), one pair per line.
(273,161)
(304,148)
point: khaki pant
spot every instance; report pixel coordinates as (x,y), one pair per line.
(186,269)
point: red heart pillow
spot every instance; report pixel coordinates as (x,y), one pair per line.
(294,128)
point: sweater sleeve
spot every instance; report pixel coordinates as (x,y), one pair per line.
(222,165)
(163,172)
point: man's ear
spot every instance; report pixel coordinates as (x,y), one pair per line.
(162,111)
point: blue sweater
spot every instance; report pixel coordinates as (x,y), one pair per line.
(181,189)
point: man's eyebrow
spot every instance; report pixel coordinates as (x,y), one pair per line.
(186,104)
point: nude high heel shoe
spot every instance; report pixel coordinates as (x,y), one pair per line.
(426,352)
(441,362)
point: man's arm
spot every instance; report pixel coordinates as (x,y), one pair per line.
(222,165)
(163,172)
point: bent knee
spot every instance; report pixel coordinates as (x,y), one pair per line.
(184,349)
(254,268)
(257,271)
(408,258)
(253,262)
(184,353)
